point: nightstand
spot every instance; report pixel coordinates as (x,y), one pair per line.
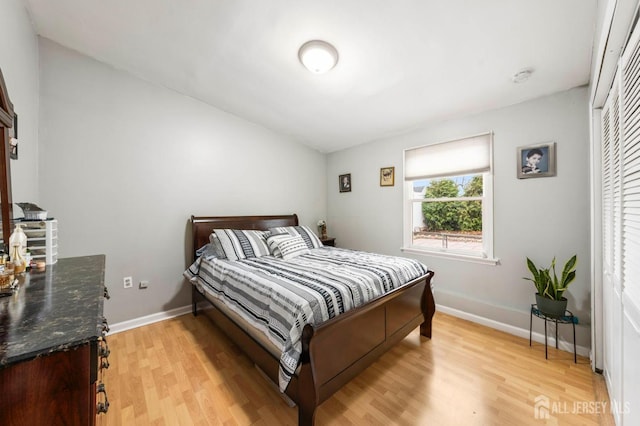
(329,241)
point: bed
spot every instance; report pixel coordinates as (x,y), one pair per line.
(363,333)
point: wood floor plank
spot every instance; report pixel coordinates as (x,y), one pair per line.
(184,371)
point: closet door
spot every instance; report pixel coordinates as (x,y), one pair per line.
(630,230)
(611,241)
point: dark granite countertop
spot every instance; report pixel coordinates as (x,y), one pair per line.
(53,310)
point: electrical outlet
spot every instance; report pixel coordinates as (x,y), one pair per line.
(128,282)
(144,284)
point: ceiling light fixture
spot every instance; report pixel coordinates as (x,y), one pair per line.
(318,56)
(522,75)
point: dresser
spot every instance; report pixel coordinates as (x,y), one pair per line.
(53,350)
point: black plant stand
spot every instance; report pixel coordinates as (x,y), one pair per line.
(567,318)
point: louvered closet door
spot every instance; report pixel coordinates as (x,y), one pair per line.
(631,178)
(606,189)
(611,194)
(630,230)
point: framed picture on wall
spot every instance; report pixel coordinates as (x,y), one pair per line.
(344,182)
(13,138)
(537,160)
(387,175)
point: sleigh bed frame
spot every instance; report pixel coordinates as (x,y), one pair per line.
(363,334)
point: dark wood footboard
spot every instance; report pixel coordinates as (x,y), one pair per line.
(362,334)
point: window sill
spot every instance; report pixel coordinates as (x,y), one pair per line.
(452,256)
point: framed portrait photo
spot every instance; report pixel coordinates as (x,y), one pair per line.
(344,182)
(537,160)
(13,138)
(387,175)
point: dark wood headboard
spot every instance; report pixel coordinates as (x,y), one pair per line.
(202,226)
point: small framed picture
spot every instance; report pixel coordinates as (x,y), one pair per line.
(537,160)
(344,182)
(13,151)
(13,138)
(387,175)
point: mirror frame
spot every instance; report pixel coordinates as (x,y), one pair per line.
(6,122)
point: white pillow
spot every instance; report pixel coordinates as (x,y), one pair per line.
(241,244)
(216,247)
(292,246)
(273,241)
(307,235)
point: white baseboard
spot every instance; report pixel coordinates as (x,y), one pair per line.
(516,331)
(149,319)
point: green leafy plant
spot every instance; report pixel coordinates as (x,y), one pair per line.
(546,280)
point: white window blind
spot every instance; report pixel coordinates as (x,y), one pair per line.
(460,157)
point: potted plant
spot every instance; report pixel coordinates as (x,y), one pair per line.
(550,288)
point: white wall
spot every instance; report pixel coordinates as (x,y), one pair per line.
(19,64)
(538,218)
(124,163)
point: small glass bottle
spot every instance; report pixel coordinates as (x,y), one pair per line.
(18,261)
(27,259)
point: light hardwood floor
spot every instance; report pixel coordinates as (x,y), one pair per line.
(184,371)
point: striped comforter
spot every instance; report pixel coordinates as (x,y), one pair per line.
(279,297)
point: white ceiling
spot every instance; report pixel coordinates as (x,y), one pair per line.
(402,63)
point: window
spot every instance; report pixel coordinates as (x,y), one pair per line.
(449,199)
